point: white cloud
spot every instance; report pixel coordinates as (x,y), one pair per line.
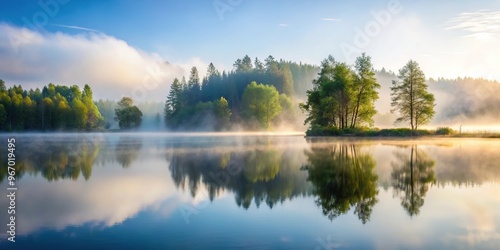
(109,65)
(283,25)
(330,19)
(482,25)
(440,53)
(75,27)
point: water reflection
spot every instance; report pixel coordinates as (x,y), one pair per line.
(52,159)
(127,150)
(411,176)
(343,177)
(259,173)
(72,180)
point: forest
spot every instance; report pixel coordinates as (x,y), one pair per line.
(333,98)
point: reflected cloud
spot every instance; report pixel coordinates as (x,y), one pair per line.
(109,198)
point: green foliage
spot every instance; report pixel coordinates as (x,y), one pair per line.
(3,115)
(288,78)
(79,117)
(259,174)
(174,102)
(366,132)
(262,103)
(288,113)
(222,113)
(56,107)
(410,97)
(128,115)
(444,131)
(341,97)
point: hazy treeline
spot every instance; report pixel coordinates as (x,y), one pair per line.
(152,114)
(218,100)
(215,100)
(465,100)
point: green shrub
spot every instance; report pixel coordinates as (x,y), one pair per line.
(444,131)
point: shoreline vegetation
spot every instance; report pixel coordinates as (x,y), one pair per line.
(336,98)
(443,132)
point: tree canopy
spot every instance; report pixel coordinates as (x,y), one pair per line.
(342,97)
(410,97)
(127,114)
(262,103)
(55,107)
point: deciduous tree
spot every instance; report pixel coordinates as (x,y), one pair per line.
(410,97)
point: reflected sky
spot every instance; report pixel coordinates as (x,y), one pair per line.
(258,191)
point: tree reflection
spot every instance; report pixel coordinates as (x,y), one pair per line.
(127,150)
(53,159)
(411,176)
(259,174)
(343,178)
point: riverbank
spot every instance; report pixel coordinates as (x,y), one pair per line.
(398,132)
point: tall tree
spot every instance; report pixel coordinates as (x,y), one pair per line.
(2,86)
(222,113)
(94,117)
(287,81)
(80,114)
(410,97)
(365,92)
(212,71)
(174,100)
(243,65)
(259,66)
(261,102)
(194,87)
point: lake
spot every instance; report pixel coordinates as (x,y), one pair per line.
(255,191)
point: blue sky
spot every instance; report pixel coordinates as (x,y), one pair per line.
(448,38)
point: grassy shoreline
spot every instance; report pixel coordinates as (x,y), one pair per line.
(397,132)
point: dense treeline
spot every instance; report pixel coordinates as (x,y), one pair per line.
(335,97)
(217,100)
(55,107)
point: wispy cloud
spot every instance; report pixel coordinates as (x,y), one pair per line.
(283,25)
(109,65)
(330,19)
(75,27)
(483,24)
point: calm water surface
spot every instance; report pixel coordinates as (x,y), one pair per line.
(160,191)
